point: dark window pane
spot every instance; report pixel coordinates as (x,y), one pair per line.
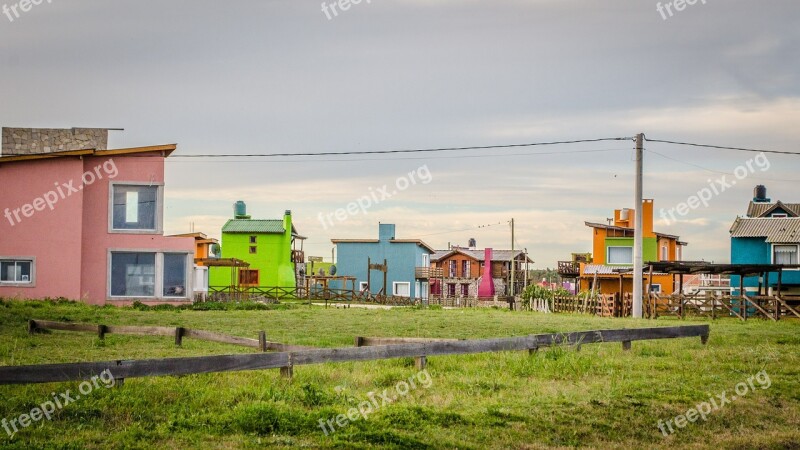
(133,274)
(135,207)
(174,275)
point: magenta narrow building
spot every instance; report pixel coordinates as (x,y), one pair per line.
(87,223)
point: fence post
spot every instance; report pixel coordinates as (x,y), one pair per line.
(288,371)
(359,341)
(179,335)
(101,331)
(421,362)
(704,339)
(626,345)
(31,326)
(262,341)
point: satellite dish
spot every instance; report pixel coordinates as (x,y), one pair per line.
(333,270)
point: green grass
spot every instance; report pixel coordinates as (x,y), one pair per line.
(599,397)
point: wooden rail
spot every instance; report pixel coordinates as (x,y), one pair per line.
(287,360)
(178,332)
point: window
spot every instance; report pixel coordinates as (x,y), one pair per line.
(465,290)
(401,289)
(452,268)
(655,288)
(785,254)
(16,271)
(174,275)
(451,289)
(664,253)
(780,215)
(134,207)
(133,274)
(363,286)
(248,277)
(253,239)
(149,274)
(465,268)
(620,255)
(253,250)
(426,260)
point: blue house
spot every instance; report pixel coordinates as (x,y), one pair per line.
(770,234)
(407,263)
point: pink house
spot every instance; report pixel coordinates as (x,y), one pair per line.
(87,225)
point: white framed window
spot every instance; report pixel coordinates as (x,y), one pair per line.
(424,292)
(655,288)
(363,286)
(620,255)
(17,271)
(780,215)
(147,274)
(664,253)
(401,289)
(135,207)
(426,260)
(784,254)
(679,253)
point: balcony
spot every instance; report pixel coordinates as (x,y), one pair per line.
(424,273)
(569,269)
(298,256)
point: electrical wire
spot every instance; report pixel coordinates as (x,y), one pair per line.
(497,155)
(711,170)
(385,152)
(721,147)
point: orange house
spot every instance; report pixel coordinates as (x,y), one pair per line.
(610,270)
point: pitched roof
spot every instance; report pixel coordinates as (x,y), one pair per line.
(393,241)
(627,230)
(776,230)
(762,209)
(273,226)
(166,149)
(479,255)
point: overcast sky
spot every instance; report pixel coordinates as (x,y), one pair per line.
(279,76)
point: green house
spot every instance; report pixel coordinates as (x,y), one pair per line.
(267,245)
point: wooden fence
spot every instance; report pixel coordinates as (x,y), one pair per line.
(678,305)
(287,360)
(318,294)
(178,332)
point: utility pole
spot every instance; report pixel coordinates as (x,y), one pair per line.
(513,259)
(638,262)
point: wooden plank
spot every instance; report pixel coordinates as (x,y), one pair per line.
(286,360)
(221,338)
(373,341)
(64,326)
(140,331)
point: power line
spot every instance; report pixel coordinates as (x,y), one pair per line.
(721,147)
(385,152)
(497,155)
(709,170)
(465,229)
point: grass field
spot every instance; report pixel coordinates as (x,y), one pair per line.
(599,397)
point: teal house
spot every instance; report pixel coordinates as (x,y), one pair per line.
(407,263)
(769,234)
